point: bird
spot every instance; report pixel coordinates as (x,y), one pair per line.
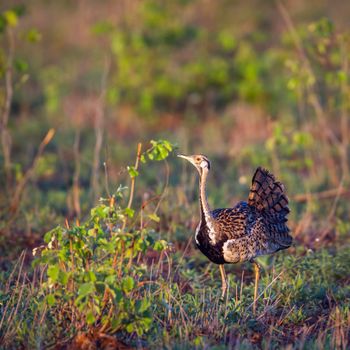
(249,229)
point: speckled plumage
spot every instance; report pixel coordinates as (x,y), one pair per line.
(249,229)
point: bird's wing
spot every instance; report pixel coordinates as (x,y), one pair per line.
(246,233)
(234,223)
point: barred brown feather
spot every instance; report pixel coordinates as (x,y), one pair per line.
(267,194)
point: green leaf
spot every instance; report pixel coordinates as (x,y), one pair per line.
(90,318)
(50,299)
(129,252)
(168,145)
(92,276)
(53,272)
(141,244)
(160,149)
(92,232)
(19,10)
(146,322)
(102,27)
(118,295)
(111,279)
(132,171)
(100,212)
(143,305)
(3,23)
(113,95)
(198,341)
(130,328)
(100,287)
(86,289)
(34,36)
(227,40)
(48,235)
(154,217)
(160,245)
(128,284)
(21,65)
(129,212)
(63,277)
(11,18)
(163,152)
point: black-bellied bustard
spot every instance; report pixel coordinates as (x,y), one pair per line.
(247,230)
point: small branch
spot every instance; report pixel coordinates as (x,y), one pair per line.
(336,200)
(97,151)
(22,183)
(99,129)
(161,196)
(132,186)
(5,135)
(334,192)
(167,171)
(131,196)
(328,222)
(76,175)
(107,182)
(344,117)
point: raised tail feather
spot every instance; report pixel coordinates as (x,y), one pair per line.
(267,195)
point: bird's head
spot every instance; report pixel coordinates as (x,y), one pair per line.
(199,161)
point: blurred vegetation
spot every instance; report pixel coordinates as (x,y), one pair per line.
(247,84)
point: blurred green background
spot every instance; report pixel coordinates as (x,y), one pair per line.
(246,83)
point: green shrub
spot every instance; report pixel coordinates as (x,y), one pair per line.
(96,270)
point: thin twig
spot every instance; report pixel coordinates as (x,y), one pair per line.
(5,135)
(76,175)
(344,117)
(332,212)
(334,192)
(161,197)
(99,126)
(132,186)
(106,180)
(131,196)
(28,174)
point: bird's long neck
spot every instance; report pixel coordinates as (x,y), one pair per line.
(207,219)
(205,210)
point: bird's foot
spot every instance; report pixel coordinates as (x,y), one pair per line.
(223,292)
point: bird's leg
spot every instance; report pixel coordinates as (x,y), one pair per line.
(223,280)
(257,276)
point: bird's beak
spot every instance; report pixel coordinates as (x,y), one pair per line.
(182,156)
(186,157)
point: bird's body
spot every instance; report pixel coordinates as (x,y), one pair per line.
(249,229)
(240,235)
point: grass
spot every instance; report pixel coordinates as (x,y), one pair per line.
(303,303)
(113,280)
(126,274)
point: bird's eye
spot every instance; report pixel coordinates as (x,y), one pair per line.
(198,159)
